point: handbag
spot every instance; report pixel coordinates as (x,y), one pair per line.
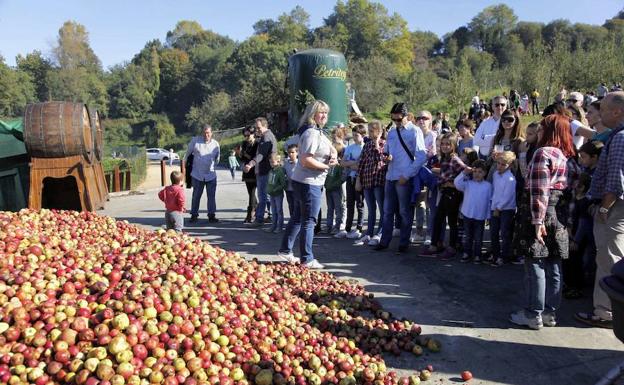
(188,166)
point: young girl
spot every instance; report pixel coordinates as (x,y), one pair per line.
(475,208)
(355,199)
(335,198)
(289,167)
(450,199)
(503,208)
(527,148)
(423,121)
(466,132)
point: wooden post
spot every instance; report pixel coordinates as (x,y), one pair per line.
(182,166)
(116,179)
(107,178)
(163,176)
(128,180)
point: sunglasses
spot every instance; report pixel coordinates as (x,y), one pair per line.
(572,100)
(509,120)
(399,120)
(500,104)
(422,118)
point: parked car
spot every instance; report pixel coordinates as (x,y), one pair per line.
(160,154)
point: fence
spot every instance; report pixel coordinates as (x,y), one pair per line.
(125,167)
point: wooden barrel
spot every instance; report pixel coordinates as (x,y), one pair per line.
(58,130)
(98,133)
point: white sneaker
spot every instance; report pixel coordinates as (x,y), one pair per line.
(288,257)
(313,264)
(362,241)
(374,241)
(396,232)
(354,234)
(520,318)
(416,238)
(549,319)
(340,234)
(427,242)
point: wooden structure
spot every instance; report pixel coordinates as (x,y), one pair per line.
(64,141)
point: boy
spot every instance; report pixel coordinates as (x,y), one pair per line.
(275,188)
(475,208)
(355,199)
(333,196)
(174,199)
(289,167)
(233,162)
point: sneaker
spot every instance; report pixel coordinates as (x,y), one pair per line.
(313,264)
(193,219)
(518,261)
(429,252)
(448,253)
(416,238)
(549,319)
(490,259)
(288,257)
(477,260)
(427,242)
(593,320)
(465,258)
(335,230)
(396,232)
(362,241)
(374,241)
(212,219)
(498,262)
(277,231)
(354,234)
(520,318)
(340,234)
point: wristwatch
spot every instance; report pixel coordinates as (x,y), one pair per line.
(603,210)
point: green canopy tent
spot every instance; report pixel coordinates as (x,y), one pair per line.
(14,168)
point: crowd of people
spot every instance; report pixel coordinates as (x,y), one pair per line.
(544,190)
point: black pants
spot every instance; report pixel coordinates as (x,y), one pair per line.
(355,200)
(448,210)
(251,192)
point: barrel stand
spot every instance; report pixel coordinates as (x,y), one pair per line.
(83,173)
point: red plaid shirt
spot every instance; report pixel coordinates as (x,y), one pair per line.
(372,169)
(449,169)
(547,171)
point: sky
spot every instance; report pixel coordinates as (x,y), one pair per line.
(118,29)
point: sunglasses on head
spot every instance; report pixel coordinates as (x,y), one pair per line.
(500,104)
(509,119)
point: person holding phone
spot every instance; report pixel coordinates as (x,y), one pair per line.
(316,157)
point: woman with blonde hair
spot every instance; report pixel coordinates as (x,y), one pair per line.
(316,156)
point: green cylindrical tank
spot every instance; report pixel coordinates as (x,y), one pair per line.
(321,74)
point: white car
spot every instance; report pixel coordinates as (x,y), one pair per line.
(160,154)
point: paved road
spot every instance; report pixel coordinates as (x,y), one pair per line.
(428,291)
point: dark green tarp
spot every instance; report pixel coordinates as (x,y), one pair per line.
(12,138)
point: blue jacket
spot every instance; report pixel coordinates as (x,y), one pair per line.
(424,178)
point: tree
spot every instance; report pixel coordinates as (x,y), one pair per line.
(373,80)
(490,27)
(214,111)
(528,32)
(461,86)
(37,67)
(289,28)
(16,90)
(73,49)
(557,32)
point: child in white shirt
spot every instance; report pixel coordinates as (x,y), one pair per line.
(503,209)
(475,208)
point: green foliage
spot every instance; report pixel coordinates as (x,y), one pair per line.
(16,90)
(490,27)
(214,111)
(289,28)
(37,67)
(373,79)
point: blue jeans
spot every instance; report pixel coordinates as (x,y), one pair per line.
(374,196)
(277,212)
(502,227)
(307,206)
(291,203)
(473,236)
(354,201)
(198,190)
(432,208)
(397,196)
(542,278)
(263,197)
(334,207)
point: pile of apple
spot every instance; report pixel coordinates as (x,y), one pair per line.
(88,300)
